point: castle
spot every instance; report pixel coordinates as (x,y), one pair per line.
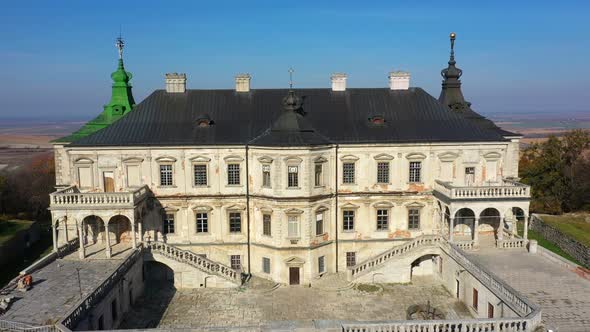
(286,184)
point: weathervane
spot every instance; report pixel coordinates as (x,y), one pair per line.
(291,78)
(120,44)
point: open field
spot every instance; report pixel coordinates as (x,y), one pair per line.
(9,227)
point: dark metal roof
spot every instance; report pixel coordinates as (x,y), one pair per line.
(258,118)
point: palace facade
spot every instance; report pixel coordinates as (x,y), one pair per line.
(286,184)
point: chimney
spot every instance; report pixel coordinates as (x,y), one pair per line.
(243,82)
(399,80)
(175,83)
(338,81)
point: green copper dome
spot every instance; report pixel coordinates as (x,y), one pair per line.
(121,103)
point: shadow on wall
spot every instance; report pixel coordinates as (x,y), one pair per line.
(159,291)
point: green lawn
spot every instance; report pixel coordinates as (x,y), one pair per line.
(9,227)
(574,226)
(532,235)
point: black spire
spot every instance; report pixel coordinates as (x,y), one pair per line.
(451,94)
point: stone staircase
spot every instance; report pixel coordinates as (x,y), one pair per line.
(364,267)
(197,261)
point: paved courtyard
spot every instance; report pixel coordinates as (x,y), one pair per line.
(564,296)
(234,307)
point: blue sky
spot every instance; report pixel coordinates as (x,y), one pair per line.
(517,56)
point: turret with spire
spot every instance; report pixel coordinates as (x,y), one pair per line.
(451,94)
(121,102)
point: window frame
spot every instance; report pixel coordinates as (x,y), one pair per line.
(350,257)
(161,174)
(267,224)
(166,223)
(346,178)
(266,176)
(415,173)
(230,215)
(411,215)
(379,226)
(266,263)
(380,173)
(206,222)
(319,224)
(206,166)
(293,177)
(229,171)
(318,177)
(232,262)
(321,264)
(348,225)
(293,219)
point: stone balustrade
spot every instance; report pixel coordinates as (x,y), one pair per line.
(198,261)
(368,265)
(458,325)
(71,197)
(7,325)
(505,189)
(81,311)
(465,245)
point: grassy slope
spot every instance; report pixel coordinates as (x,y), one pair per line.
(532,235)
(574,226)
(9,228)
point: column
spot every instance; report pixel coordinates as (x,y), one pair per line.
(54,231)
(107,246)
(451,227)
(501,229)
(66,230)
(81,250)
(140,230)
(133,240)
(525,234)
(475,232)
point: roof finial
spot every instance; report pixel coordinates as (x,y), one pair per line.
(291,78)
(453,36)
(119,43)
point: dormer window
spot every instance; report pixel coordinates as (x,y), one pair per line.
(377,120)
(204,121)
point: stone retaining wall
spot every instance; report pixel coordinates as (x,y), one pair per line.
(574,248)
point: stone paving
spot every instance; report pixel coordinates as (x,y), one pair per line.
(564,296)
(55,289)
(245,307)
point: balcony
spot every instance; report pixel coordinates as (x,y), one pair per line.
(72,198)
(506,189)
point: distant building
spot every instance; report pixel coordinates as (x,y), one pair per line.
(287,184)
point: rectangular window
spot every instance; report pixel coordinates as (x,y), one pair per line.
(85,177)
(490,310)
(266,265)
(383,172)
(350,258)
(101,323)
(266,224)
(415,168)
(348,220)
(293,176)
(321,264)
(233,174)
(202,222)
(318,174)
(293,226)
(168,223)
(413,219)
(133,178)
(114,311)
(382,220)
(235,262)
(319,223)
(475,298)
(235,222)
(166,175)
(200,175)
(348,173)
(469,176)
(266,176)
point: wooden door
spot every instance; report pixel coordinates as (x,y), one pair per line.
(109,182)
(293,276)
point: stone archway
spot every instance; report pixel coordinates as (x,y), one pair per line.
(464,222)
(490,223)
(424,265)
(120,233)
